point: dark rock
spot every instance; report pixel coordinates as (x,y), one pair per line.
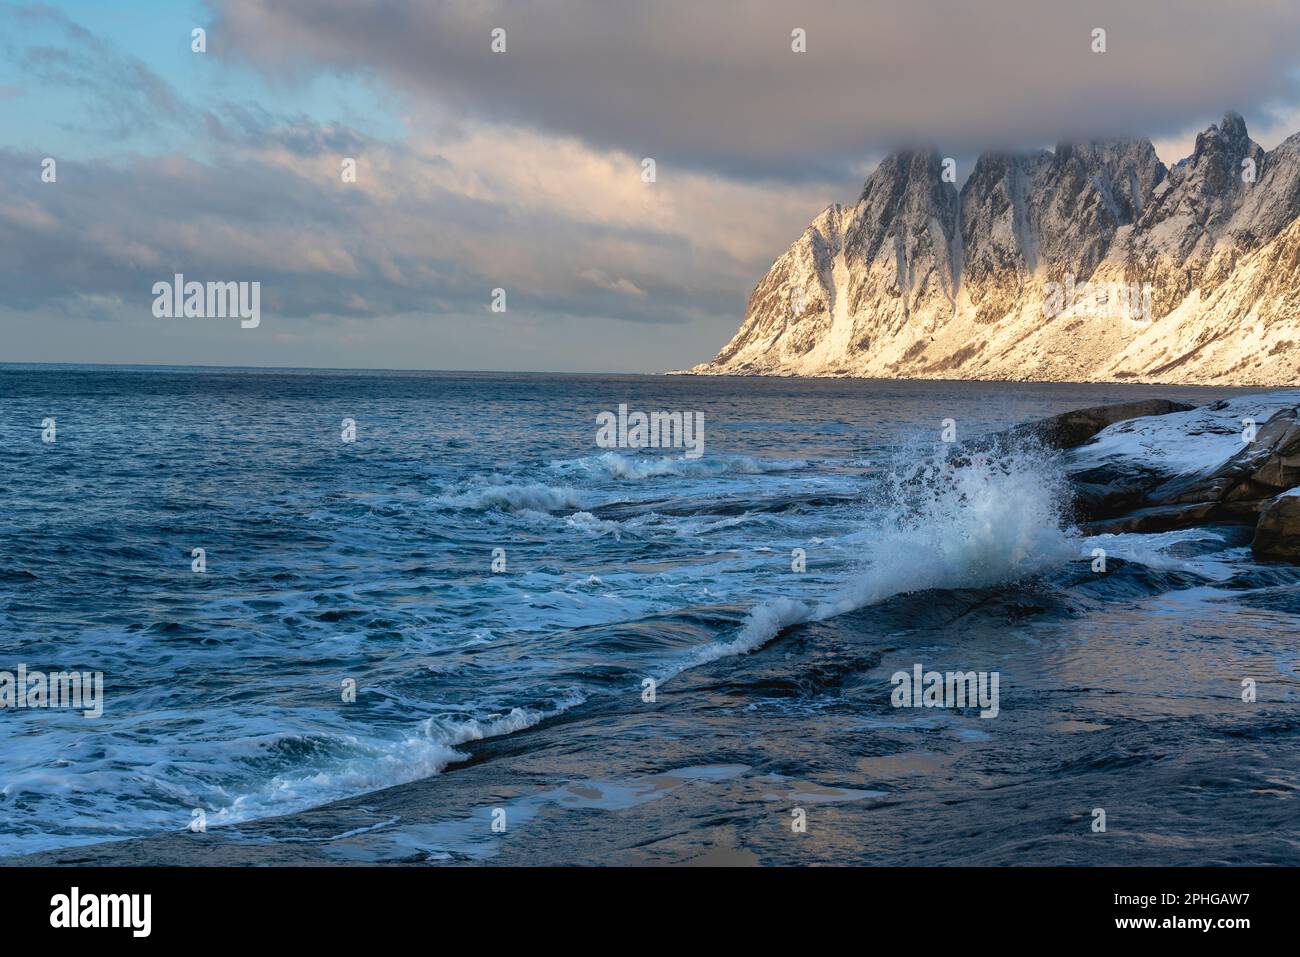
(1133,493)
(1159,518)
(1071,429)
(1240,488)
(1262,469)
(1278,533)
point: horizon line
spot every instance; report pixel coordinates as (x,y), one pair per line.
(194,365)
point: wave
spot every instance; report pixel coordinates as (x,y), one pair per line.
(373,764)
(1202,551)
(533,497)
(615,465)
(948,521)
(509,496)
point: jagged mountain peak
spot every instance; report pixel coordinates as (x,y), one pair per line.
(1220,201)
(904,164)
(906,180)
(1108,152)
(1216,159)
(920,279)
(1228,136)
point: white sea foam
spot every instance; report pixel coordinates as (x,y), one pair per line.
(534,497)
(591,525)
(948,522)
(1159,550)
(375,763)
(616,465)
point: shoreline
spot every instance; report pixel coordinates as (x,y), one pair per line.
(700,779)
(692,780)
(673,373)
(1264,385)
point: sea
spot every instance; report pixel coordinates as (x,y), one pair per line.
(304,587)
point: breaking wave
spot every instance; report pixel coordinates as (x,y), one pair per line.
(534,497)
(949,521)
(371,764)
(615,465)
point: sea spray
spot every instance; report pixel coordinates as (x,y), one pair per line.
(957,520)
(952,519)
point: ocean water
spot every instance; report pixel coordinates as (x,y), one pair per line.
(371,562)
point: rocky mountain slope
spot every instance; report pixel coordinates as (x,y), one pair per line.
(1092,262)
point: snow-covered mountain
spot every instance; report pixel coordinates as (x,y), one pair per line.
(1090,262)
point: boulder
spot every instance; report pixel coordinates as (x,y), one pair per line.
(1071,429)
(1214,464)
(1278,533)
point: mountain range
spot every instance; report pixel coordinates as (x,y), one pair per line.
(1090,262)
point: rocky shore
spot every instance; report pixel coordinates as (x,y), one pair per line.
(1093,713)
(1156,465)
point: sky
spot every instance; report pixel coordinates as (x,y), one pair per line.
(522,170)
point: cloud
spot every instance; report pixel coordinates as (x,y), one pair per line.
(523,170)
(427,228)
(598,278)
(121,95)
(251,125)
(717,85)
(434,222)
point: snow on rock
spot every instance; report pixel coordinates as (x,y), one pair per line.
(1184,443)
(1219,463)
(1189,275)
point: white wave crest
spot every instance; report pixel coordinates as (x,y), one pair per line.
(534,497)
(950,521)
(615,465)
(375,763)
